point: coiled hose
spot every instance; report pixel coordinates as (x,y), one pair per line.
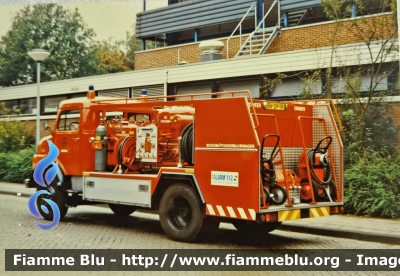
(120,148)
(328,171)
(268,174)
(186,146)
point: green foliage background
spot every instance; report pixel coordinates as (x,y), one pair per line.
(16,150)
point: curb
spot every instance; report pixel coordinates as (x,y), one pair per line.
(14,193)
(349,234)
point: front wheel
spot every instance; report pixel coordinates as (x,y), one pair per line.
(57,194)
(180,213)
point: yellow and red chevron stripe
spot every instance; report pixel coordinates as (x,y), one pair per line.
(231,212)
(319,212)
(288,215)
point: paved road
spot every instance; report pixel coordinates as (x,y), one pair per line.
(94,227)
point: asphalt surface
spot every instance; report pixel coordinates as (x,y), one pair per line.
(343,226)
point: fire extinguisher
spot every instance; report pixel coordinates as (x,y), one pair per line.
(101,149)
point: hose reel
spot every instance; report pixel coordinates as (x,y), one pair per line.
(321,173)
(186,145)
(276,193)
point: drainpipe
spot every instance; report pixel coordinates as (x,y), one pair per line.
(285,19)
(143,40)
(398,38)
(166,85)
(353,10)
(260,9)
(196,35)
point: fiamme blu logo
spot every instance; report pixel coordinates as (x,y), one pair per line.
(44,174)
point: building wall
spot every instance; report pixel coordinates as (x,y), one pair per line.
(31,126)
(171,56)
(291,39)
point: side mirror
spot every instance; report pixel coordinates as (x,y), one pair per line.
(45,124)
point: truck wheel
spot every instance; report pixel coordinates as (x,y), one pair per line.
(253,228)
(57,195)
(180,213)
(122,210)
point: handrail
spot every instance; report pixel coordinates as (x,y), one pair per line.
(265,16)
(152,99)
(262,23)
(333,109)
(240,28)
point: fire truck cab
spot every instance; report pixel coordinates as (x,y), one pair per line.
(198,159)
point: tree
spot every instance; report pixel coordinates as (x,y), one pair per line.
(53,28)
(132,45)
(367,118)
(118,56)
(113,58)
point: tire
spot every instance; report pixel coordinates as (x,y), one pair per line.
(278,194)
(180,214)
(253,228)
(122,210)
(57,194)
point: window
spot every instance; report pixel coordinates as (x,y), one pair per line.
(27,106)
(51,104)
(68,120)
(18,107)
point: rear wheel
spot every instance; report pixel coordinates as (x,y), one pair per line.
(180,213)
(122,210)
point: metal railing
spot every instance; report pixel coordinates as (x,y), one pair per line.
(262,26)
(240,28)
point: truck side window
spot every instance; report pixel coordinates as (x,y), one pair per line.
(69,120)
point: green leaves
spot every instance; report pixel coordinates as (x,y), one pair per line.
(15,150)
(372,185)
(16,166)
(14,135)
(53,28)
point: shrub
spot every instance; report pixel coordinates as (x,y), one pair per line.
(16,166)
(14,135)
(372,185)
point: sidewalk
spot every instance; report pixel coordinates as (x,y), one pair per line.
(344,226)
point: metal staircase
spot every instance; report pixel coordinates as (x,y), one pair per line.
(258,41)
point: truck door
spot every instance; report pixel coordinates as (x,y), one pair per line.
(67,137)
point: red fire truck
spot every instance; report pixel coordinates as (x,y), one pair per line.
(198,159)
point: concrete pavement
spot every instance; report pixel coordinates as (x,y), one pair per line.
(344,226)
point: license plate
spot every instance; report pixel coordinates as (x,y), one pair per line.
(275,106)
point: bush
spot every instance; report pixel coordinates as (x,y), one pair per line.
(374,129)
(14,135)
(372,185)
(16,166)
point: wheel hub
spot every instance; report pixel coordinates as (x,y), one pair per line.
(179,214)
